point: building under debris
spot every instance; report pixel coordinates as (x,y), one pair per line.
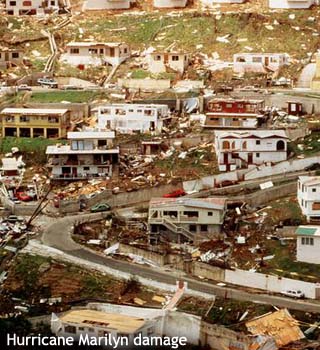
(34,7)
(186,219)
(10,58)
(35,122)
(169,3)
(259,62)
(89,154)
(128,118)
(89,53)
(291,4)
(308,196)
(241,149)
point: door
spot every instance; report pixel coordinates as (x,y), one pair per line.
(266,61)
(250,158)
(74,172)
(225,158)
(112,52)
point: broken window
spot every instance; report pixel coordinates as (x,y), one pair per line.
(13,3)
(70,329)
(210,213)
(203,228)
(15,54)
(191,214)
(53,120)
(256,59)
(193,228)
(175,58)
(157,58)
(120,111)
(93,51)
(24,119)
(240,59)
(148,112)
(10,119)
(314,190)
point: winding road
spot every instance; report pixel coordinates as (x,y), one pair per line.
(57,234)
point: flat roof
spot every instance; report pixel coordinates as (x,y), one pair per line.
(261,54)
(221,114)
(93,318)
(9,164)
(90,135)
(66,149)
(92,43)
(207,203)
(132,105)
(40,111)
(309,180)
(235,100)
(308,231)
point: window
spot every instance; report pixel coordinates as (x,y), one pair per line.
(24,119)
(77,145)
(256,59)
(81,328)
(86,168)
(307,241)
(210,213)
(193,228)
(258,142)
(91,330)
(15,54)
(175,58)
(74,51)
(191,214)
(27,3)
(10,119)
(125,50)
(203,228)
(101,51)
(70,329)
(93,51)
(229,105)
(157,58)
(314,190)
(53,119)
(244,145)
(13,3)
(258,155)
(150,331)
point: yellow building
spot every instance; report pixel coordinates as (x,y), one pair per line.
(35,122)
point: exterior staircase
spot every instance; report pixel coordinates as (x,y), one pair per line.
(177,229)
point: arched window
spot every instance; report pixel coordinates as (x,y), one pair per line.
(280,145)
(233,145)
(244,145)
(225,145)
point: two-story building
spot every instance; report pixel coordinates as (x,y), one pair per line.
(169,3)
(35,122)
(99,324)
(128,118)
(89,53)
(10,57)
(89,154)
(309,196)
(259,62)
(158,62)
(234,114)
(241,149)
(308,244)
(186,219)
(95,5)
(31,7)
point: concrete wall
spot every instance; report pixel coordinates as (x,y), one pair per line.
(268,282)
(208,271)
(145,84)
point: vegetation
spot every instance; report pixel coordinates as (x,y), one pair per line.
(70,96)
(308,146)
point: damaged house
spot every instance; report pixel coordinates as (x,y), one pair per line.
(89,154)
(10,58)
(128,118)
(240,149)
(309,196)
(82,54)
(259,62)
(159,62)
(106,5)
(169,3)
(32,7)
(231,113)
(186,219)
(35,122)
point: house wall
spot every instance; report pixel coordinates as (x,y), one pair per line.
(269,282)
(105,5)
(307,199)
(272,61)
(169,3)
(6,58)
(286,4)
(308,253)
(158,62)
(235,121)
(145,84)
(20,5)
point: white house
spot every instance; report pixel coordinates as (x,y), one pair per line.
(308,244)
(82,54)
(128,118)
(31,7)
(158,62)
(240,149)
(291,4)
(10,57)
(259,62)
(89,154)
(106,5)
(169,3)
(186,219)
(309,196)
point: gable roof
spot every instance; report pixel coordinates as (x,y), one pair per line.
(249,134)
(308,231)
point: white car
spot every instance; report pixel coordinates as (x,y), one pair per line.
(293,293)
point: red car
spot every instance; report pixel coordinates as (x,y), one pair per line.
(23,197)
(175,194)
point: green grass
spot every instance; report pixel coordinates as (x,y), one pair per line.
(311,145)
(70,96)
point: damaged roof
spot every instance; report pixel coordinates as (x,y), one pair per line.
(206,203)
(280,325)
(248,134)
(309,180)
(33,111)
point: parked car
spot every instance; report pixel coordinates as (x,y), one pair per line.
(100,207)
(297,294)
(49,82)
(313,166)
(24,87)
(24,197)
(175,194)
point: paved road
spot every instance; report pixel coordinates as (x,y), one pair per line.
(57,235)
